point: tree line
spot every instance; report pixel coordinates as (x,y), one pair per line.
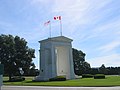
(83,67)
(105,70)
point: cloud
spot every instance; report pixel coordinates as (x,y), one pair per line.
(7,27)
(80,14)
(5,24)
(110,60)
(38,1)
(72,11)
(110,46)
(68,6)
(80,11)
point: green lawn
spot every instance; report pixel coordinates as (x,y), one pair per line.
(109,81)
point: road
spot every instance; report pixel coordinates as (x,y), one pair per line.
(56,88)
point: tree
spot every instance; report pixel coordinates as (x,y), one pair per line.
(103,69)
(80,65)
(15,54)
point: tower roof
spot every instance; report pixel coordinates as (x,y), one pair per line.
(57,39)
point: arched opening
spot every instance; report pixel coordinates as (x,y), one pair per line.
(62,61)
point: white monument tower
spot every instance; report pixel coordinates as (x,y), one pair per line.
(56,58)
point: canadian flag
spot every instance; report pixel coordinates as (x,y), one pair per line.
(57,18)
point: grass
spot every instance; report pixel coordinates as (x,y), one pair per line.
(108,81)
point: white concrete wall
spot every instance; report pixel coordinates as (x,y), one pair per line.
(62,62)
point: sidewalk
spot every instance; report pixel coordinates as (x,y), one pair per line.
(57,88)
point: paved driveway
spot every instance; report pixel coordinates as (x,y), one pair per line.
(56,88)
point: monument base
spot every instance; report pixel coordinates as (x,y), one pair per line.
(40,78)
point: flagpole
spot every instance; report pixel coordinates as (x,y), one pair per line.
(60,27)
(50,29)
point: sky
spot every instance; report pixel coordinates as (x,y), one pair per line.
(94,25)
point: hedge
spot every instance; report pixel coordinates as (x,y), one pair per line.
(87,76)
(99,76)
(58,78)
(17,79)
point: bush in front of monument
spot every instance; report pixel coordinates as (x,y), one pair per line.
(87,76)
(58,78)
(17,79)
(99,76)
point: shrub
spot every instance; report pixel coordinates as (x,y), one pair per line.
(87,76)
(17,79)
(58,78)
(99,76)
